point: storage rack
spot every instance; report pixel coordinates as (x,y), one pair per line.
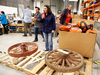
(92,8)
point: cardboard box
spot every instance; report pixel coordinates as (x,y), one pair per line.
(76,16)
(82,43)
(72,15)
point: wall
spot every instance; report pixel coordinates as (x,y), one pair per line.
(59,6)
(45,2)
(55,6)
(8,10)
(70,2)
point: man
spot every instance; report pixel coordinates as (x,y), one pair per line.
(27,21)
(37,24)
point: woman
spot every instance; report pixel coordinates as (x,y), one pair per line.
(4,22)
(66,16)
(49,26)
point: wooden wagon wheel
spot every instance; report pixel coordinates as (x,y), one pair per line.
(70,61)
(22,49)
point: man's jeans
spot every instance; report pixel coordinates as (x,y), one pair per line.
(48,41)
(36,33)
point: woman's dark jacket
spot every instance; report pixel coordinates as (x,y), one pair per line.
(64,16)
(48,23)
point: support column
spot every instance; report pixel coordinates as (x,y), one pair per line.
(17,9)
(35,3)
(79,10)
(75,6)
(66,2)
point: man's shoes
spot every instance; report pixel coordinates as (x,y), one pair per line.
(5,33)
(43,40)
(25,35)
(35,41)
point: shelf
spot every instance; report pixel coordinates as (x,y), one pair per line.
(94,5)
(93,15)
(85,15)
(85,2)
(85,9)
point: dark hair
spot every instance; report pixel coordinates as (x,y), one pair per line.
(28,6)
(2,12)
(48,8)
(37,8)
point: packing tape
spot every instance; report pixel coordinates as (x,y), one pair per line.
(3,52)
(95,62)
(40,56)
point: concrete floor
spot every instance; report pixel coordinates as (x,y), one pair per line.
(8,40)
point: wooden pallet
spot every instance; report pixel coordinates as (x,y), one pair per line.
(40,68)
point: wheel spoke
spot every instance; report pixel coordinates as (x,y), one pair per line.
(51,57)
(54,60)
(73,54)
(54,53)
(58,62)
(75,59)
(63,63)
(68,63)
(72,62)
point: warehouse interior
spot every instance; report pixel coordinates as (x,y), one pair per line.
(74,45)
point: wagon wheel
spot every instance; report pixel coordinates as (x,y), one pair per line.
(61,62)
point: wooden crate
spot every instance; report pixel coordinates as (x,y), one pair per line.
(40,68)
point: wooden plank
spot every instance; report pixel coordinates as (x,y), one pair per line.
(58,73)
(28,72)
(27,59)
(88,68)
(50,72)
(82,73)
(69,73)
(45,71)
(38,67)
(32,59)
(76,73)
(3,56)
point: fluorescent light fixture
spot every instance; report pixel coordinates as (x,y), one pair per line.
(71,0)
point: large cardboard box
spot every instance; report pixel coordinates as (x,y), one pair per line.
(76,16)
(82,43)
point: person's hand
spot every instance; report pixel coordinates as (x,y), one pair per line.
(35,19)
(42,17)
(53,31)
